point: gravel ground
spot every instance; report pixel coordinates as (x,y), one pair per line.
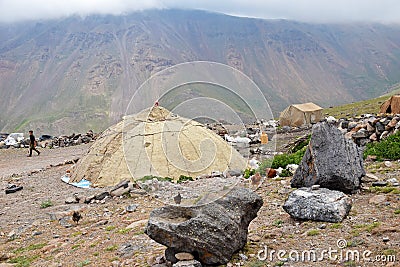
(107,235)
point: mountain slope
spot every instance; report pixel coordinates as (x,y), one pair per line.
(79,73)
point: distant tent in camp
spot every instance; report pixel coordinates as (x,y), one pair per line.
(159,143)
(392,105)
(300,114)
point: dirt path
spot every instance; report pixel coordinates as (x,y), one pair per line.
(15,161)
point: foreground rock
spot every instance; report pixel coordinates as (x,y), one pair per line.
(318,205)
(212,232)
(331,161)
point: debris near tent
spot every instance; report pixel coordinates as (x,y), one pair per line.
(392,105)
(18,140)
(159,143)
(300,114)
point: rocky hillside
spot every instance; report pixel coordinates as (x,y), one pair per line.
(78,73)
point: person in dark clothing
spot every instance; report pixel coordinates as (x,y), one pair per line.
(32,144)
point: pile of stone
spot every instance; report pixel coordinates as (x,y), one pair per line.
(71,140)
(9,140)
(369,128)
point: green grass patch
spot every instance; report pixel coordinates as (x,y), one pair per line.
(369,106)
(184,178)
(249,172)
(389,252)
(76,234)
(112,248)
(384,189)
(83,263)
(282,160)
(372,226)
(277,223)
(336,225)
(23,261)
(124,230)
(110,228)
(313,232)
(46,204)
(30,248)
(397,212)
(388,148)
(75,247)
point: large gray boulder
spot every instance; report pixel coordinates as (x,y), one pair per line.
(212,232)
(331,161)
(318,205)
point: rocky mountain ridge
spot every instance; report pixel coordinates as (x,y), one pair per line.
(80,73)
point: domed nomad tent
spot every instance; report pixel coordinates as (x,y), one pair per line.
(392,105)
(155,142)
(300,114)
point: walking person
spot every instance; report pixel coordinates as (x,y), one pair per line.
(32,144)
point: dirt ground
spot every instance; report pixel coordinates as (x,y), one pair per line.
(36,227)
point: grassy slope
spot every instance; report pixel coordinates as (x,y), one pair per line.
(369,106)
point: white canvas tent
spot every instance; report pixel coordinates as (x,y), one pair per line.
(155,142)
(300,114)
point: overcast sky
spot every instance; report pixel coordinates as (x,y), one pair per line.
(386,11)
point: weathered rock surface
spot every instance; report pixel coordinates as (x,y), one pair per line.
(191,263)
(331,161)
(212,232)
(318,205)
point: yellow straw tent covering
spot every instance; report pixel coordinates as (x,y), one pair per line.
(155,142)
(300,114)
(392,105)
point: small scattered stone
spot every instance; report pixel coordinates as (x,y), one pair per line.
(243,257)
(386,239)
(131,208)
(89,199)
(136,224)
(380,183)
(120,191)
(102,195)
(100,223)
(11,235)
(71,200)
(64,222)
(315,187)
(378,199)
(126,250)
(255,238)
(136,191)
(388,164)
(192,263)
(369,177)
(53,217)
(392,181)
(184,256)
(322,226)
(5,256)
